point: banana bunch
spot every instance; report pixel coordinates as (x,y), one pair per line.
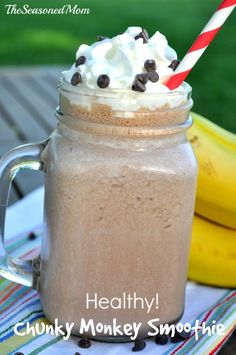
(212,254)
(213,247)
(215,149)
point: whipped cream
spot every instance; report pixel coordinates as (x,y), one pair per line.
(114,63)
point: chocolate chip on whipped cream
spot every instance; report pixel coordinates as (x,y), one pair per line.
(150,65)
(174,64)
(122,58)
(103,81)
(144,35)
(138,86)
(81,60)
(76,79)
(101,38)
(143,77)
(153,76)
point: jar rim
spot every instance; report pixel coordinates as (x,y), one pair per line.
(185,90)
(122,109)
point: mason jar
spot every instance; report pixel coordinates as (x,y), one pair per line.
(120,181)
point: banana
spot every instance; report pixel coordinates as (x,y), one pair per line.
(212,254)
(215,149)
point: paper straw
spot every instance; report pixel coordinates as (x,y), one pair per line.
(201,43)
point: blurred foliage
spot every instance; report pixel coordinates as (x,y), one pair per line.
(53,39)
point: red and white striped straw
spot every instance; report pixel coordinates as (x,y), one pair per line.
(201,43)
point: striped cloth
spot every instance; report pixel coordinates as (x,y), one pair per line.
(21,304)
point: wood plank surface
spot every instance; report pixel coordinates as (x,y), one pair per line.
(19,115)
(40,110)
(28,98)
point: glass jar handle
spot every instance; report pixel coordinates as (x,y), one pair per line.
(25,157)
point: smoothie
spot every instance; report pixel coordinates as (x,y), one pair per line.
(120,185)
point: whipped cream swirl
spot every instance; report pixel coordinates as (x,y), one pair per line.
(114,63)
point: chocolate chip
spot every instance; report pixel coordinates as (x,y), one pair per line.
(84,343)
(143,77)
(76,79)
(174,64)
(103,81)
(176,338)
(77,353)
(185,334)
(161,339)
(32,236)
(153,76)
(180,336)
(101,38)
(144,35)
(150,65)
(18,353)
(138,86)
(79,61)
(139,344)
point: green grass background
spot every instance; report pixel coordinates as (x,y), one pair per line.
(53,39)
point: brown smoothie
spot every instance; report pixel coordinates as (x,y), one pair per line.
(118,216)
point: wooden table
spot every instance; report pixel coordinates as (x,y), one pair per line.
(28,98)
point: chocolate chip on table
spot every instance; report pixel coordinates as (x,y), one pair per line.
(153,76)
(144,35)
(184,334)
(180,336)
(142,77)
(77,353)
(150,65)
(101,38)
(139,344)
(32,236)
(84,343)
(174,64)
(161,339)
(81,60)
(103,81)
(76,79)
(176,338)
